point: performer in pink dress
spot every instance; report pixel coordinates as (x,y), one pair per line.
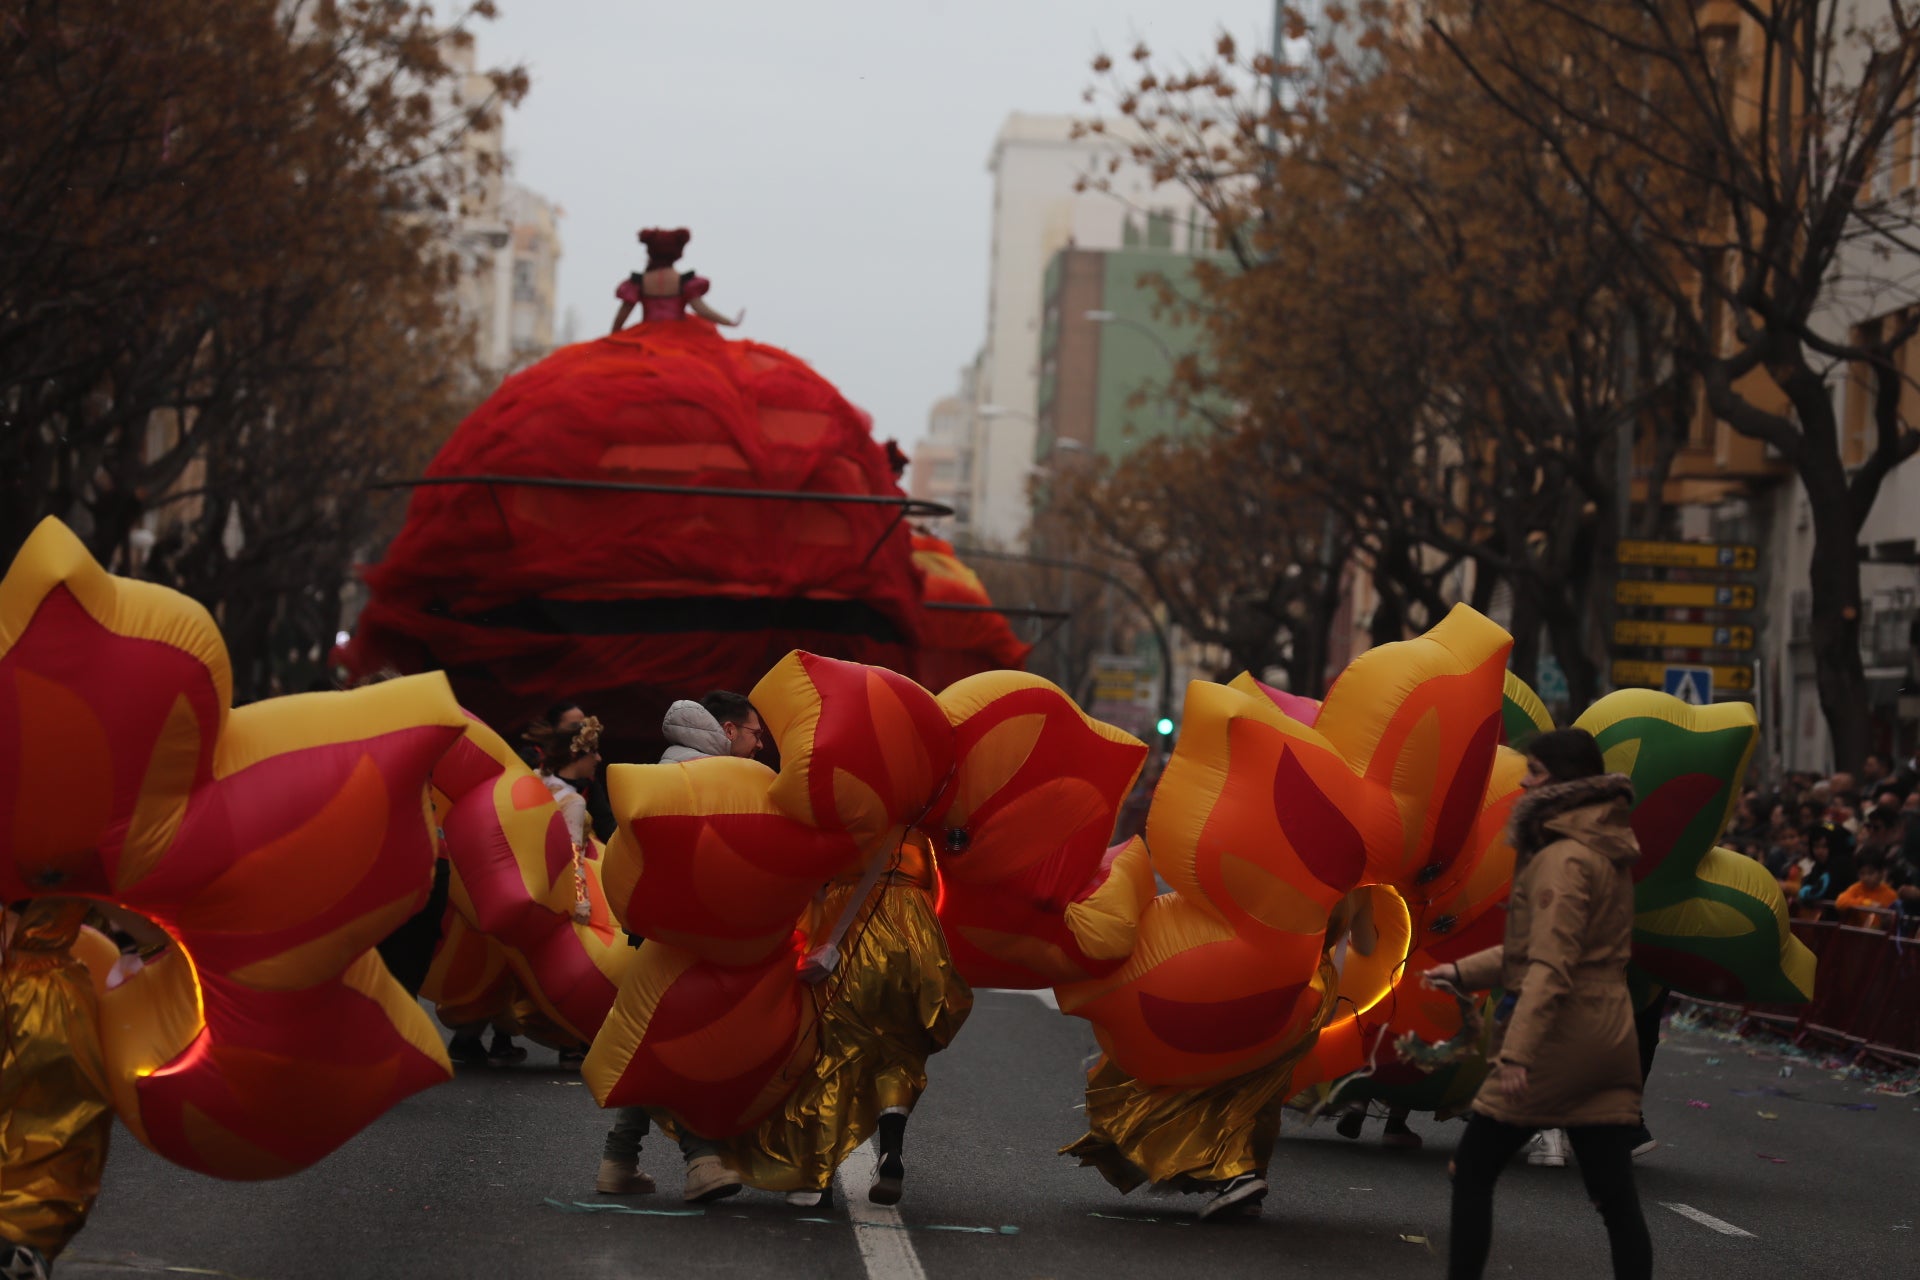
(662,292)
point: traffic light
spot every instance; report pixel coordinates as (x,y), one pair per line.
(1165,727)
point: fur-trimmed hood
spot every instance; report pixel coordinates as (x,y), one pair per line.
(1593,811)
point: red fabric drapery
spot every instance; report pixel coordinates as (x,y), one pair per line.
(626,601)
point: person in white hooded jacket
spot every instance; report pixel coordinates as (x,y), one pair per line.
(720,724)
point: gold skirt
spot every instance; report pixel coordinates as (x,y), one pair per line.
(1187,1139)
(54,1112)
(894,1001)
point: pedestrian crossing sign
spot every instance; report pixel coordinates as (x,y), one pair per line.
(1692,685)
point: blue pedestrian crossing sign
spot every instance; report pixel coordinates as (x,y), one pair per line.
(1693,685)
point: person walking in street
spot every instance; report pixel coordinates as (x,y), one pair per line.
(889,998)
(1215,1140)
(1566,1054)
(721,724)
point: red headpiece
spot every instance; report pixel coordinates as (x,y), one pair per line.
(664,247)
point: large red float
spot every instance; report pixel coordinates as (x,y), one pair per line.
(540,586)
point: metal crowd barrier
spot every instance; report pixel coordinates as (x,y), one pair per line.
(1866,992)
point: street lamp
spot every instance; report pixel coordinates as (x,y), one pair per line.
(1147,331)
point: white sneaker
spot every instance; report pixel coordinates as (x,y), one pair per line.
(1239,1198)
(22,1262)
(1549,1149)
(804,1199)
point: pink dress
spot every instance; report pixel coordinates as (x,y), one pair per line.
(669,307)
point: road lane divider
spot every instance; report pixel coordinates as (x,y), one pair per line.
(885,1247)
(1708,1220)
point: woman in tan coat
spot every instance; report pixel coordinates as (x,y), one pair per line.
(1565,1055)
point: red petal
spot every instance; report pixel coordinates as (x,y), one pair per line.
(1661,818)
(1464,796)
(1320,834)
(1219,1026)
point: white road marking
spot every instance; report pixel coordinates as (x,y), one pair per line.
(1708,1220)
(885,1246)
(1043,994)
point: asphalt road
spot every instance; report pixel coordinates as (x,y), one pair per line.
(455,1183)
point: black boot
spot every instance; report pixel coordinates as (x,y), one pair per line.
(467,1047)
(891,1173)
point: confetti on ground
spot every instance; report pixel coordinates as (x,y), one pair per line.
(1771,1159)
(1127,1217)
(1899,1082)
(1698,1105)
(1794,1096)
(1768,1115)
(1713,1062)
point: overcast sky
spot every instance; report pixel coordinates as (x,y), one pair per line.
(829,157)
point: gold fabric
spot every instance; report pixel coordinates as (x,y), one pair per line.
(895,1000)
(55,1116)
(1189,1139)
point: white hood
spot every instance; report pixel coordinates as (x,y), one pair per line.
(693,733)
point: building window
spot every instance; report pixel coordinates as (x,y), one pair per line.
(1160,230)
(1858,430)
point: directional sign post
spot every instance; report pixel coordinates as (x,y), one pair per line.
(1683,618)
(1683,595)
(1629,674)
(1123,693)
(1692,685)
(1682,635)
(1690,555)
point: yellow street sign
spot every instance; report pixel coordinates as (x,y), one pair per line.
(1683,595)
(1653,675)
(1689,555)
(1682,635)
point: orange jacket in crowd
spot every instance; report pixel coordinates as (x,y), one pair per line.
(1857,896)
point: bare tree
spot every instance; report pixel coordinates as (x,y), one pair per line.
(1737,149)
(223,279)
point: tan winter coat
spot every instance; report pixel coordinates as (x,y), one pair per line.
(1569,937)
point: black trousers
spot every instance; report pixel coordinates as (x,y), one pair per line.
(1646,1027)
(408,950)
(1605,1156)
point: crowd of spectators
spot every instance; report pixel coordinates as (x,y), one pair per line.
(1844,848)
